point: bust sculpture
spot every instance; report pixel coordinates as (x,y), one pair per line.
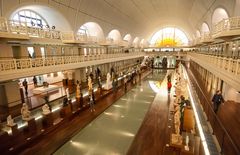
(45,109)
(10,121)
(26,114)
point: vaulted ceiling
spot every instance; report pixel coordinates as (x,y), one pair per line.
(138,17)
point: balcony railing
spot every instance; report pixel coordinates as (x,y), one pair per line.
(18,27)
(19,64)
(228,64)
(206,37)
(232,23)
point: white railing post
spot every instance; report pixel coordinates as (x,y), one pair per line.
(237,66)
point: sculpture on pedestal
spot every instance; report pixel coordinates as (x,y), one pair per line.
(78,90)
(10,121)
(67,93)
(90,85)
(45,109)
(108,84)
(26,114)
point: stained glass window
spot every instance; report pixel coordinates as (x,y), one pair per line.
(31,18)
(169,37)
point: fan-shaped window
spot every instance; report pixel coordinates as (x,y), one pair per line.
(169,37)
(31,18)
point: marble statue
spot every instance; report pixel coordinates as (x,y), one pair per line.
(108,84)
(90,85)
(26,114)
(70,75)
(10,121)
(187,143)
(78,91)
(67,93)
(45,109)
(65,74)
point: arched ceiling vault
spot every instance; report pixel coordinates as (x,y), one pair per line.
(141,18)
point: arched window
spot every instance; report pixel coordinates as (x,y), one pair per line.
(83,30)
(91,29)
(169,37)
(218,15)
(205,28)
(31,18)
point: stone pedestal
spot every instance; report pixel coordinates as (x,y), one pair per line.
(14,130)
(65,82)
(78,102)
(108,86)
(47,120)
(32,126)
(4,140)
(66,111)
(22,95)
(70,85)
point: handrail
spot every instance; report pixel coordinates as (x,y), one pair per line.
(214,114)
(18,64)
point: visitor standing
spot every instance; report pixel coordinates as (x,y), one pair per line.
(169,86)
(125,84)
(217,100)
(91,103)
(35,81)
(25,85)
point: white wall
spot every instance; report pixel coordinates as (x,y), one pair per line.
(230,93)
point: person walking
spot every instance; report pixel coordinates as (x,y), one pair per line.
(169,86)
(91,103)
(217,100)
(35,81)
(25,85)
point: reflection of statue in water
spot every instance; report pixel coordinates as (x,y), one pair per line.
(45,109)
(10,121)
(26,114)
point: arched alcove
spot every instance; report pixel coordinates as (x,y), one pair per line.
(128,38)
(136,42)
(51,15)
(218,15)
(115,35)
(198,34)
(144,43)
(91,29)
(205,28)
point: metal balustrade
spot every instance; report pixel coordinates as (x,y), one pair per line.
(18,64)
(228,64)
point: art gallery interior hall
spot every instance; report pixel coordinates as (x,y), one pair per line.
(111,77)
